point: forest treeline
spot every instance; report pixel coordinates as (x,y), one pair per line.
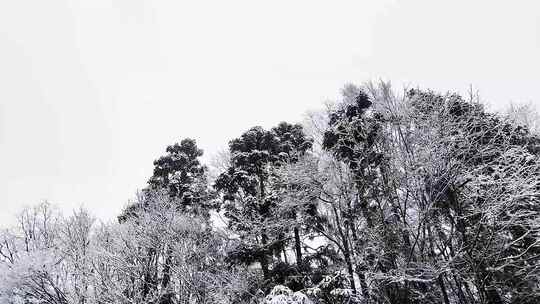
(416,197)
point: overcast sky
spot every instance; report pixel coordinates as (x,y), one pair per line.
(91,92)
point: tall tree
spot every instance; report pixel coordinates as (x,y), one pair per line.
(353,136)
(244,186)
(180,174)
(292,146)
(251,186)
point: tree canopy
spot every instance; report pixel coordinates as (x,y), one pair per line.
(394,197)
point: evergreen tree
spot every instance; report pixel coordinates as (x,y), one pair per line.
(180,174)
(247,203)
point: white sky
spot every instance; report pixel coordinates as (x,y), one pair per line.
(91,92)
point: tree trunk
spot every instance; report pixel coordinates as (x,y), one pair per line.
(350,270)
(363,285)
(263,260)
(346,250)
(298,247)
(347,255)
(492,296)
(443,289)
(167,297)
(264,237)
(167,269)
(147,275)
(461,296)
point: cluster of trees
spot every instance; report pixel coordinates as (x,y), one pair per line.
(382,198)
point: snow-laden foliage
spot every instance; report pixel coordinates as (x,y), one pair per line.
(416,198)
(283,295)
